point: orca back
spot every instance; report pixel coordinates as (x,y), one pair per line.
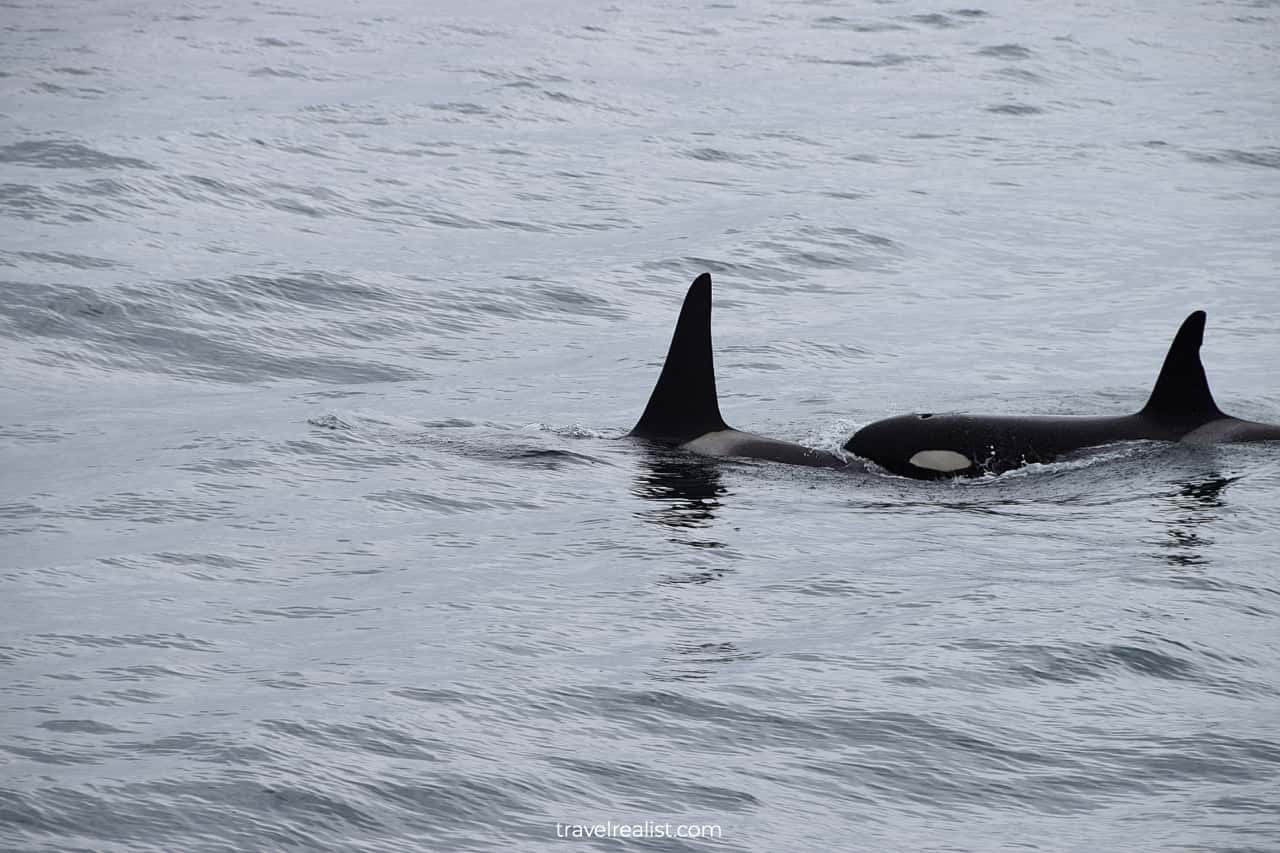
(683,404)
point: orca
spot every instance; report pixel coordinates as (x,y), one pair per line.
(938,446)
(683,410)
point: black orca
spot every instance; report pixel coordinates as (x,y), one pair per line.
(683,410)
(1181,408)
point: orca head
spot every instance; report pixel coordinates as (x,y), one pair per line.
(922,446)
(683,405)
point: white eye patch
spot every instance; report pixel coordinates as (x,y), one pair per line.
(940,460)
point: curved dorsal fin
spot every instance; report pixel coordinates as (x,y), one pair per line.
(683,404)
(1182,391)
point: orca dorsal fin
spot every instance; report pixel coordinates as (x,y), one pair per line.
(1182,391)
(683,404)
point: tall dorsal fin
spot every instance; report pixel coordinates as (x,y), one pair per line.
(1182,391)
(683,404)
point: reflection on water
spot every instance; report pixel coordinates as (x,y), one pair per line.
(686,489)
(1184,514)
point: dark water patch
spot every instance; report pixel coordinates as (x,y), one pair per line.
(455,802)
(288,205)
(88,200)
(648,788)
(789,136)
(716,155)
(65,154)
(507,452)
(1006,51)
(217,748)
(564,98)
(182,642)
(47,753)
(219,562)
(1268,158)
(345,113)
(417,501)
(19,510)
(549,459)
(1070,663)
(75,261)
(237,329)
(937,20)
(610,224)
(894,754)
(38,205)
(789,352)
(121,698)
(35,433)
(346,451)
(69,91)
(835,22)
(227,465)
(423,149)
(397,212)
(483,32)
(520,226)
(90,727)
(689,267)
(301,611)
(503,449)
(1205,757)
(145,672)
(246,814)
(270,71)
(526,75)
(1015,109)
(432,695)
(883,60)
(372,737)
(199,188)
(826,248)
(1022,75)
(524,298)
(156,509)
(691,31)
(464,108)
(320,151)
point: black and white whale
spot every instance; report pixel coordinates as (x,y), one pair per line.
(683,409)
(1181,408)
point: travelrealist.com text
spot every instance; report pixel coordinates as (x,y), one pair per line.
(645,829)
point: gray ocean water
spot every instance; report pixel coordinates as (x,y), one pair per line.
(319,323)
